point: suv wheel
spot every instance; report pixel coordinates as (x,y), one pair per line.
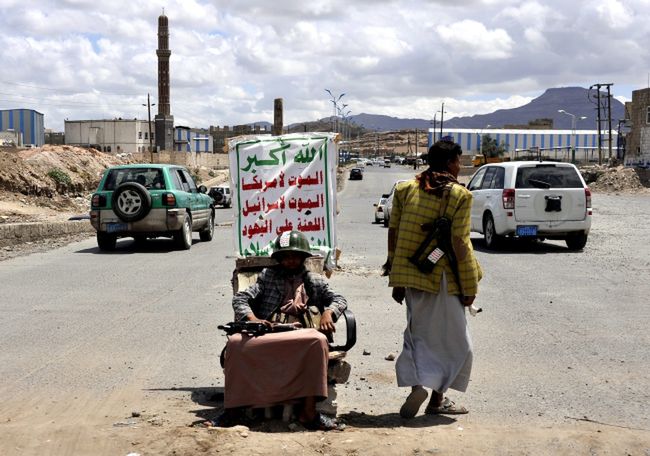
(576,241)
(131,202)
(106,241)
(183,237)
(492,239)
(207,234)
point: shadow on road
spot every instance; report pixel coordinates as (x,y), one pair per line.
(521,246)
(392,420)
(128,246)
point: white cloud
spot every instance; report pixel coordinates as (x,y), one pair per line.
(614,13)
(471,37)
(88,59)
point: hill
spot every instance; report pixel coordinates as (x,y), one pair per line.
(572,99)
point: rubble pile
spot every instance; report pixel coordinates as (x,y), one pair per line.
(611,179)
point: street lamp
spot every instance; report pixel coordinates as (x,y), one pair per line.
(480,135)
(334,101)
(149,105)
(573,132)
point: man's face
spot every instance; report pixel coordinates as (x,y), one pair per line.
(291,260)
(454,166)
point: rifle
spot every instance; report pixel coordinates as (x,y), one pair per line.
(255,328)
(427,255)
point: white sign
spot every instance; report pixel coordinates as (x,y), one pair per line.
(284,183)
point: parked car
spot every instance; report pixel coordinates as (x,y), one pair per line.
(389,202)
(386,163)
(145,201)
(533,200)
(380,208)
(356,174)
(221,195)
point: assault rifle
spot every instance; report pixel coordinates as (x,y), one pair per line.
(256,328)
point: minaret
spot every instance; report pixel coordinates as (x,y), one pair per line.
(164,120)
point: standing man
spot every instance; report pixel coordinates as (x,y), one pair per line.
(438,276)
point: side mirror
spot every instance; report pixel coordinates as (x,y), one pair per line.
(375,204)
(203,189)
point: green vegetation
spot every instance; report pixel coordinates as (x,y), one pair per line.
(491,149)
(59,176)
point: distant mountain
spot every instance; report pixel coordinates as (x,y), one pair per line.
(572,99)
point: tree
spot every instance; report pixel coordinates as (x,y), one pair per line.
(491,148)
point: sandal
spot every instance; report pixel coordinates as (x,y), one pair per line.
(321,423)
(226,420)
(413,402)
(448,407)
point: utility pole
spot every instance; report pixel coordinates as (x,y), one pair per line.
(149,105)
(277,117)
(609,119)
(442,118)
(600,120)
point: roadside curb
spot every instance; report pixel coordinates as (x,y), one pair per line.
(19,233)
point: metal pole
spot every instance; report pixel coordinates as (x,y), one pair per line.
(600,139)
(150,138)
(442,118)
(609,119)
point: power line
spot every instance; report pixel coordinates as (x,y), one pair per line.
(65,90)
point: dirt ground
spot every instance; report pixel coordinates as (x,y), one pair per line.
(176,424)
(72,426)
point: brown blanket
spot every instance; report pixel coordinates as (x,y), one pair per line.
(275,368)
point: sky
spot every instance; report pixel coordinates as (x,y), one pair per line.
(84,59)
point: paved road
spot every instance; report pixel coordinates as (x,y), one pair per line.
(562,334)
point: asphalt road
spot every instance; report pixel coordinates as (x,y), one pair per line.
(563,335)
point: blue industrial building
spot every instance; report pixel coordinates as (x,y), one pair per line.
(522,141)
(187,139)
(27,122)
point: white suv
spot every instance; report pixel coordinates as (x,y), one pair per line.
(529,199)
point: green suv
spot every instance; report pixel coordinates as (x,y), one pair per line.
(145,201)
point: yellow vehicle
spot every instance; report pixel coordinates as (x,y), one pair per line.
(479,160)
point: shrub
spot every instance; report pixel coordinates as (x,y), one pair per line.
(59,176)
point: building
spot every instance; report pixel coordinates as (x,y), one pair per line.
(131,136)
(188,139)
(164,120)
(26,125)
(555,144)
(637,146)
(54,137)
(117,135)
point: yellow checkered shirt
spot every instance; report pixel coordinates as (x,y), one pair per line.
(413,207)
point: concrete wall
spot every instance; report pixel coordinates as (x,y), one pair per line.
(18,233)
(190,160)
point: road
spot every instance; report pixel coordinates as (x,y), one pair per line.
(86,337)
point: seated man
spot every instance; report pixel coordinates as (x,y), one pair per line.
(280,367)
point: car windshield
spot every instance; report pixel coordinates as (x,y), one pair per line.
(548,176)
(150,178)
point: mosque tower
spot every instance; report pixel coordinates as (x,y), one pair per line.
(164,121)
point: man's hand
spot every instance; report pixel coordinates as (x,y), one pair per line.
(467,300)
(327,322)
(399,293)
(252,317)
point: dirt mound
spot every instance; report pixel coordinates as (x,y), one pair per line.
(612,179)
(52,170)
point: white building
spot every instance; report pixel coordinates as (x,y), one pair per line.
(553,143)
(117,135)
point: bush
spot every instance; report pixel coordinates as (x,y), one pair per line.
(59,176)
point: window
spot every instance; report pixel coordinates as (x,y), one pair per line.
(146,135)
(475,183)
(545,176)
(487,180)
(647,115)
(139,135)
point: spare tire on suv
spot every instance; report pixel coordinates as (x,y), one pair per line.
(131,202)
